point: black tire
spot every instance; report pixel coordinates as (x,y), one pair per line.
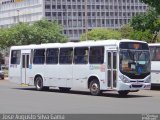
(2,78)
(95,88)
(64,89)
(46,88)
(39,84)
(123,93)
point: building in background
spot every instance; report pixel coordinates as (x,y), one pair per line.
(71,13)
(15,11)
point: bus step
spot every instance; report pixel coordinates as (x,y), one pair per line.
(24,85)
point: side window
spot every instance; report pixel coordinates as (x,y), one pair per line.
(15,56)
(31,58)
(39,56)
(66,55)
(157,54)
(109,60)
(114,60)
(52,56)
(96,55)
(152,52)
(81,55)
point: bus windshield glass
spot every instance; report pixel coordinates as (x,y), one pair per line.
(135,63)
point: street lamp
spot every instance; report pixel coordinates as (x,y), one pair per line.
(18,16)
(86,20)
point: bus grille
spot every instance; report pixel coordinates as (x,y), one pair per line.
(136,81)
(137,86)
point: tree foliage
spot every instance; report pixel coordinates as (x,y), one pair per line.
(36,33)
(129,33)
(139,35)
(101,34)
(126,31)
(1,58)
(153,3)
(149,22)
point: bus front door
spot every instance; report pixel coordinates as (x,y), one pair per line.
(25,67)
(111,69)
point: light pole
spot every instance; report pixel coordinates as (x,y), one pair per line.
(86,20)
(18,16)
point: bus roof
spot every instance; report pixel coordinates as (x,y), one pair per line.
(75,44)
(154,44)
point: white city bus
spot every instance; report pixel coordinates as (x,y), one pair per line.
(155,63)
(121,65)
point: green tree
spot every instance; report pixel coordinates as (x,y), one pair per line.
(139,35)
(1,59)
(48,32)
(37,33)
(126,31)
(147,22)
(129,33)
(101,34)
(153,3)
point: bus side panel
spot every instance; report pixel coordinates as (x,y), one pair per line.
(80,76)
(38,70)
(51,75)
(65,76)
(98,70)
(15,68)
(155,72)
(31,75)
(15,73)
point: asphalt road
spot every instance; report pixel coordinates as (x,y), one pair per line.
(17,99)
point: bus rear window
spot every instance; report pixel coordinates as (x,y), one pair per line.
(134,45)
(15,56)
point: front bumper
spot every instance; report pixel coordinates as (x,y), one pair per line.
(133,86)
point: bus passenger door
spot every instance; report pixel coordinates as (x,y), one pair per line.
(25,68)
(111,69)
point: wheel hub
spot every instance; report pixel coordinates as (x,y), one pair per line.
(94,87)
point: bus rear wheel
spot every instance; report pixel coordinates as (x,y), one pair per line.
(123,93)
(39,84)
(95,88)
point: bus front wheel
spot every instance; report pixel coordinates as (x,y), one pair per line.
(123,93)
(95,88)
(39,84)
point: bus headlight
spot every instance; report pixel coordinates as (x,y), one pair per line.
(148,80)
(124,79)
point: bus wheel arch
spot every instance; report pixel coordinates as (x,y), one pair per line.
(94,86)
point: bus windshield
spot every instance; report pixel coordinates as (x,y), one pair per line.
(135,63)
